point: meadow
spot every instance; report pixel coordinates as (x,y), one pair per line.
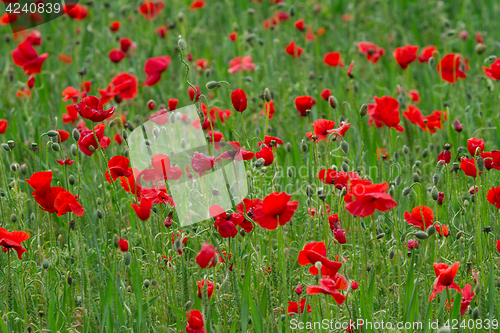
(366,134)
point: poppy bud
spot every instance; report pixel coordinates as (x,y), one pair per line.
(309,191)
(75,134)
(381,235)
(475,313)
(212,85)
(267,95)
(24,169)
(187,306)
(416,178)
(56,147)
(11,144)
(14,167)
(70,280)
(259,162)
(322,196)
(52,133)
(124,134)
(73,149)
(421,235)
(344,145)
(5,147)
(318,265)
(333,102)
(432,62)
(480,48)
(434,193)
(146,283)
(116,240)
(391,254)
(406,191)
(363,110)
(369,267)
(45,264)
(128,258)
(181,42)
(13,218)
(304,147)
(473,198)
(92,148)
(406,150)
(292,11)
(431,230)
(398,180)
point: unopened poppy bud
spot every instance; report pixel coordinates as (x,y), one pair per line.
(434,193)
(187,306)
(343,192)
(5,147)
(267,95)
(333,102)
(381,235)
(490,59)
(406,191)
(318,265)
(432,62)
(45,263)
(363,110)
(345,166)
(398,180)
(116,240)
(259,162)
(451,33)
(13,218)
(292,11)
(421,235)
(322,196)
(314,137)
(14,167)
(455,166)
(146,283)
(74,150)
(309,191)
(344,145)
(473,198)
(182,44)
(11,144)
(70,280)
(480,164)
(480,48)
(52,133)
(91,148)
(304,147)
(391,254)
(431,230)
(475,313)
(416,178)
(128,258)
(124,134)
(250,11)
(151,104)
(24,169)
(369,267)
(212,85)
(56,147)
(99,214)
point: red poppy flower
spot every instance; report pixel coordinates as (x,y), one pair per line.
(469,167)
(442,230)
(467,296)
(87,139)
(493,72)
(444,157)
(118,166)
(67,59)
(201,162)
(151,9)
(114,26)
(239,100)
(172,104)
(349,71)
(197,4)
(207,257)
(322,127)
(333,59)
(339,235)
(240,64)
(161,31)
(325,94)
(3,125)
(65,161)
(479,38)
(414,96)
(66,202)
(91,108)
(385,111)
(405,55)
(116,55)
(31,81)
(415,116)
(304,103)
(498,245)
(13,240)
(125,44)
(143,209)
(457,126)
(225,223)
(70,93)
(420,217)
(300,25)
(267,154)
(314,252)
(372,51)
(124,85)
(294,50)
(191,93)
(268,109)
(331,285)
(493,196)
(450,68)
(293,307)
(195,322)
(444,278)
(123,244)
(370,198)
(276,208)
(427,53)
(8,18)
(154,67)
(26,57)
(201,287)
(76,11)
(434,120)
(232,36)
(236,154)
(71,116)
(473,144)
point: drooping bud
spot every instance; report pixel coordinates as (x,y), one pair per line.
(406,191)
(267,95)
(333,102)
(212,85)
(363,110)
(344,145)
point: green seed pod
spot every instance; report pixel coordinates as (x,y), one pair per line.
(13,218)
(344,145)
(398,181)
(435,193)
(406,191)
(431,230)
(56,147)
(146,283)
(421,235)
(45,263)
(128,258)
(52,133)
(480,163)
(406,149)
(211,85)
(391,254)
(309,191)
(74,149)
(116,239)
(71,180)
(480,48)
(5,147)
(267,95)
(187,306)
(363,110)
(416,178)
(182,44)
(75,134)
(475,313)
(11,144)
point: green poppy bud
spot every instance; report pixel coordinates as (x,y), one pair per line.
(475,313)
(431,230)
(391,254)
(11,144)
(432,62)
(267,95)
(75,134)
(435,193)
(52,133)
(13,218)
(128,258)
(363,110)
(45,263)
(74,149)
(5,147)
(421,235)
(116,239)
(398,180)
(406,191)
(344,145)
(212,85)
(416,178)
(56,147)
(182,44)
(309,191)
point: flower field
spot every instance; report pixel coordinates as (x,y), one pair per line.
(250,166)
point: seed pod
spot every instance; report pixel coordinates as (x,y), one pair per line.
(13,218)
(56,147)
(116,239)
(52,133)
(363,110)
(146,283)
(128,258)
(434,193)
(73,150)
(211,85)
(344,145)
(398,181)
(406,191)
(431,230)
(181,43)
(391,254)
(475,313)
(45,263)
(309,191)
(459,235)
(421,235)
(5,147)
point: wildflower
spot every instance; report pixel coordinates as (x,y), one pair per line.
(123,244)
(421,217)
(473,144)
(207,257)
(373,52)
(26,57)
(240,64)
(195,322)
(239,100)
(385,111)
(143,209)
(493,72)
(493,196)
(444,278)
(314,252)
(13,240)
(76,11)
(201,288)
(294,50)
(449,68)
(88,139)
(304,103)
(91,108)
(276,208)
(116,55)
(333,59)
(370,198)
(405,55)
(426,53)
(293,307)
(322,128)
(467,296)
(153,68)
(151,9)
(331,285)
(469,167)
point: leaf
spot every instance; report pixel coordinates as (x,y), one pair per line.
(256,316)
(245,300)
(491,293)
